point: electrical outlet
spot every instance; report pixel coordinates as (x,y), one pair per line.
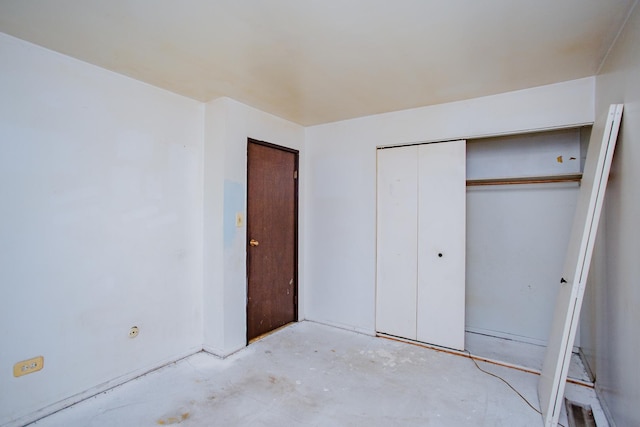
(28,366)
(133,332)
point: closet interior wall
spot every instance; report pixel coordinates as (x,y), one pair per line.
(517,234)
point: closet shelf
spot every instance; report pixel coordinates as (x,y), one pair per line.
(525,180)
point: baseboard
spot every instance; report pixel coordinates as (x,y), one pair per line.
(604,406)
(512,337)
(370,332)
(585,362)
(108,385)
(215,351)
(506,335)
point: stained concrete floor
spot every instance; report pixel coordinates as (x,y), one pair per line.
(309,374)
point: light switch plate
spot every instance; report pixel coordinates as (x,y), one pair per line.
(239,220)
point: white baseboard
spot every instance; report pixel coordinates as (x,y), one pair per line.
(603,405)
(512,337)
(101,388)
(215,351)
(506,335)
(370,332)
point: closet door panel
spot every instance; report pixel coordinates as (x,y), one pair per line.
(397,240)
(441,244)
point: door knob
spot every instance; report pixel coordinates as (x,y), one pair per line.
(253,242)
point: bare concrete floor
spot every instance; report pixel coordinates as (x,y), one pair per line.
(314,375)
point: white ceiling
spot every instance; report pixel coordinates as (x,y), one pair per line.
(317,61)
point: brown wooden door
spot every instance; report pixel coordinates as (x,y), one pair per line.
(271,237)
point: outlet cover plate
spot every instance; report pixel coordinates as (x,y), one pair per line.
(134,331)
(28,366)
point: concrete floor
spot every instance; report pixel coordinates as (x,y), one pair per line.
(314,375)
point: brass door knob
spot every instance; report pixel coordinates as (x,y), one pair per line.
(253,242)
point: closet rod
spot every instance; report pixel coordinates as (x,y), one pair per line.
(525,180)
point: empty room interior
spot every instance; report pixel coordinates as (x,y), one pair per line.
(317,213)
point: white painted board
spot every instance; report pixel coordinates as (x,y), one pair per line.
(441,243)
(397,240)
(574,276)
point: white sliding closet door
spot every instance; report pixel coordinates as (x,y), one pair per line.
(421,243)
(397,241)
(441,243)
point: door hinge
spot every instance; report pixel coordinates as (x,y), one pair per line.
(295,174)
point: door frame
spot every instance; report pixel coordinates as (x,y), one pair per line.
(295,231)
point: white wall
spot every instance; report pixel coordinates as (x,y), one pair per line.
(100,185)
(611,339)
(341,183)
(228,125)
